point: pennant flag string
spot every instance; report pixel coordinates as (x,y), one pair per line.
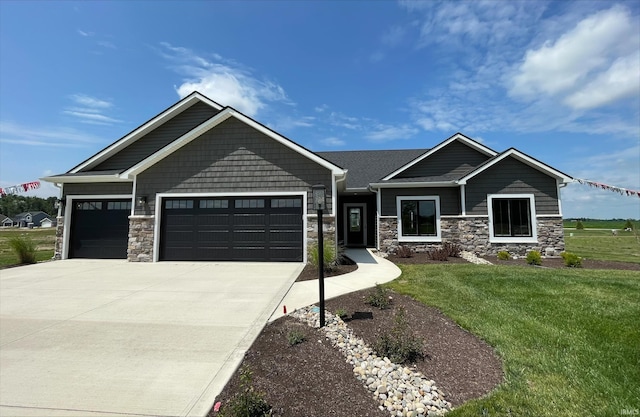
(19,188)
(619,190)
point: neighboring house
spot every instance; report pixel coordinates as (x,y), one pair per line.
(47,222)
(5,221)
(205,182)
(30,219)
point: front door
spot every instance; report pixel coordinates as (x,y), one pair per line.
(355,225)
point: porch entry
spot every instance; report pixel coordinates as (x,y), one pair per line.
(355,225)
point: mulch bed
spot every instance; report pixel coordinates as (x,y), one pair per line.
(313,379)
(311,272)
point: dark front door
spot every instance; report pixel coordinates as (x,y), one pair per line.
(355,225)
(252,228)
(99,229)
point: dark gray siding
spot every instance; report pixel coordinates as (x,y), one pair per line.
(99,188)
(233,157)
(159,137)
(454,159)
(449,199)
(511,176)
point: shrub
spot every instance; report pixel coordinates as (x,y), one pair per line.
(453,250)
(24,248)
(400,345)
(438,255)
(295,337)
(579,225)
(571,260)
(342,313)
(247,403)
(503,255)
(534,258)
(329,255)
(379,297)
(404,252)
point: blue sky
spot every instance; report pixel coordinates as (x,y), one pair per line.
(556,80)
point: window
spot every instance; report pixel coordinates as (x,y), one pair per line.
(512,218)
(419,218)
(178,204)
(119,205)
(89,205)
(214,204)
(252,203)
(285,202)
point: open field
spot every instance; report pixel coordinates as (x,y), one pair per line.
(568,338)
(43,238)
(600,224)
(601,244)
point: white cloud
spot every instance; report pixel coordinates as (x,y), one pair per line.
(13,133)
(578,63)
(90,110)
(333,141)
(106,44)
(383,133)
(84,33)
(344,121)
(224,81)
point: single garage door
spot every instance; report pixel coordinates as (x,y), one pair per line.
(232,229)
(99,229)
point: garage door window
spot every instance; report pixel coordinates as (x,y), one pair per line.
(285,202)
(250,203)
(89,205)
(178,204)
(214,204)
(119,205)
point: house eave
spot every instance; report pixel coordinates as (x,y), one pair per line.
(422,184)
(68,179)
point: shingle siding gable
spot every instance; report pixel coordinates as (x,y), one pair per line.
(449,199)
(455,159)
(511,176)
(230,158)
(101,188)
(159,137)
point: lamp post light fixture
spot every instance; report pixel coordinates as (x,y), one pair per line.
(320,203)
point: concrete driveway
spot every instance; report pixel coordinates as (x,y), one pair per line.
(89,337)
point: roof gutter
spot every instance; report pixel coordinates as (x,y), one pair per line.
(379,185)
(85,179)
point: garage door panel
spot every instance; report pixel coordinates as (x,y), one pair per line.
(238,229)
(99,228)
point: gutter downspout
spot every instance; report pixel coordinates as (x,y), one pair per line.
(378,202)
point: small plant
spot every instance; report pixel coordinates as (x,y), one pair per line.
(453,250)
(400,345)
(534,258)
(571,260)
(247,403)
(24,248)
(628,225)
(438,255)
(404,252)
(379,297)
(342,313)
(503,255)
(579,225)
(295,337)
(331,259)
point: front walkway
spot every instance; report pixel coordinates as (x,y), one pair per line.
(372,270)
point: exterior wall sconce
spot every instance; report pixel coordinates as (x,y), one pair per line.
(142,200)
(58,203)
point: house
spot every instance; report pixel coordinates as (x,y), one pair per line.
(5,221)
(47,222)
(200,181)
(30,219)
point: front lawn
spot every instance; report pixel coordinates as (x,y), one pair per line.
(569,338)
(601,244)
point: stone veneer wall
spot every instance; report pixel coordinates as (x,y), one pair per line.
(328,229)
(140,245)
(472,233)
(57,251)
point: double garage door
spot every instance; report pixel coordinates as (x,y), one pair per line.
(263,228)
(232,229)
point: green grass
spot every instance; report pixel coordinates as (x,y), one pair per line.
(602,245)
(43,238)
(569,338)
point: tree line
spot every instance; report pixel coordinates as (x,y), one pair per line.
(13,204)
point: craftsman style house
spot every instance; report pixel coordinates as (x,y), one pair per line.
(205,182)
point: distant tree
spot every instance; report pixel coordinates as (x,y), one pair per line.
(628,224)
(579,225)
(12,204)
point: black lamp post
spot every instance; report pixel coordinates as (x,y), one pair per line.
(319,204)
